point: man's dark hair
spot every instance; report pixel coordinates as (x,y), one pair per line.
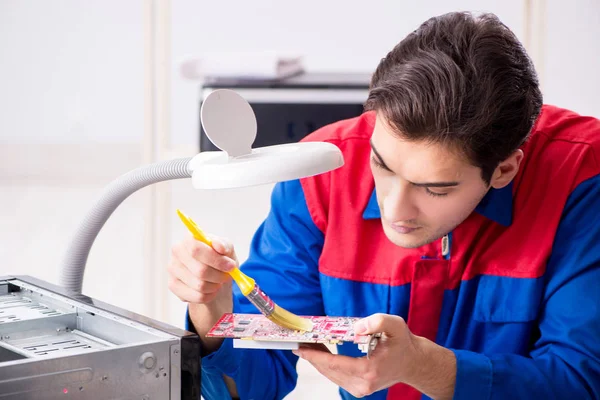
(462,80)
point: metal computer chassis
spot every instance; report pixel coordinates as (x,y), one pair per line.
(58,345)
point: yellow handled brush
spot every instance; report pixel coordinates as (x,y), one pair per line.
(251,290)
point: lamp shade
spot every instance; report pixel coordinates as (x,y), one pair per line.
(230,124)
(271,164)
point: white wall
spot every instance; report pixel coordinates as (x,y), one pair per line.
(71,71)
(571,67)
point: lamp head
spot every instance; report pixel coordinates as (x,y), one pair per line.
(230,124)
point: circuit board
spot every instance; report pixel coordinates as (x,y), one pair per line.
(329,330)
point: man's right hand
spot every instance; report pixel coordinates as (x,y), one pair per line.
(198,275)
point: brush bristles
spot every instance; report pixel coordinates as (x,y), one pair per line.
(284,318)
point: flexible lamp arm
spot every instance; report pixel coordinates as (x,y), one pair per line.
(73,266)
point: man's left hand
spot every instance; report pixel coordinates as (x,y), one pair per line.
(393,361)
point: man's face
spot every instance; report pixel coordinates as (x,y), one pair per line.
(424,190)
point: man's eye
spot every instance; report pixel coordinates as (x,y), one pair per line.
(377,164)
(435,194)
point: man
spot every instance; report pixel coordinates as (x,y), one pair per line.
(471,242)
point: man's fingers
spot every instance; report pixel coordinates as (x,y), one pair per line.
(223,246)
(315,346)
(206,280)
(187,294)
(391,325)
(333,362)
(336,377)
(203,253)
(209,256)
(197,272)
(346,372)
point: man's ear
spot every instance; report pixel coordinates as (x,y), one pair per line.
(507,170)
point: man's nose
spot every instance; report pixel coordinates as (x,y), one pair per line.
(398,205)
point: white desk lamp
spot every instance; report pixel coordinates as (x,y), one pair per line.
(230,124)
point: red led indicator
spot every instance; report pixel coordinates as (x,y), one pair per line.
(65,390)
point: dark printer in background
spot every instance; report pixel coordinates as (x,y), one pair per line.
(287,110)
